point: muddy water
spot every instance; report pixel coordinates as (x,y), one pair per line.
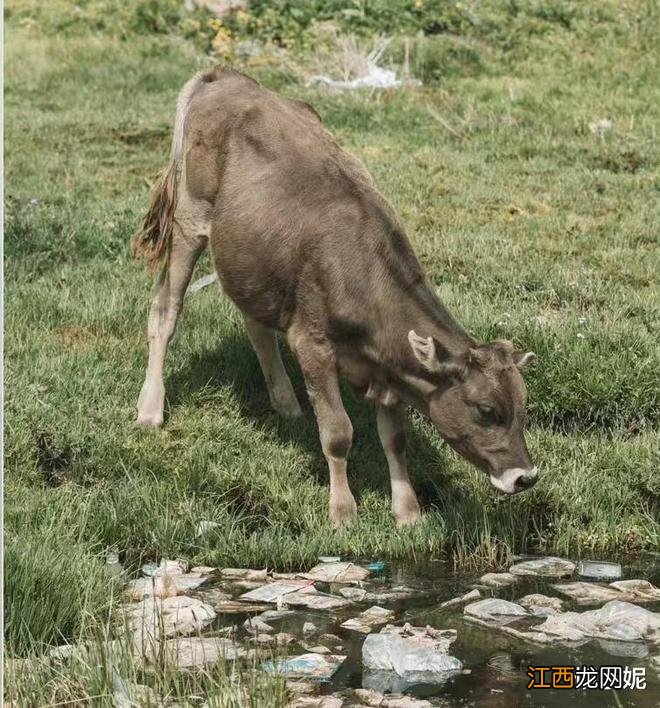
(497,663)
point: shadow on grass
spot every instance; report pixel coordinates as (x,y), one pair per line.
(233,364)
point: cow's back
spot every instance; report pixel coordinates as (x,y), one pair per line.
(292,212)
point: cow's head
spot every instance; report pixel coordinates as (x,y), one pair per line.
(478,405)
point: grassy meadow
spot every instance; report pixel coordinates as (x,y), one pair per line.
(534,222)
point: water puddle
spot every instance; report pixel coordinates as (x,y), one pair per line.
(495,665)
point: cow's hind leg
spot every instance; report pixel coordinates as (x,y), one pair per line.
(318,365)
(281,393)
(165,308)
(392,432)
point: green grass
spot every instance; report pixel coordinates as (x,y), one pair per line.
(531,227)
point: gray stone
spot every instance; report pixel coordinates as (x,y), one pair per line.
(369,619)
(308,629)
(472,595)
(351,593)
(497,580)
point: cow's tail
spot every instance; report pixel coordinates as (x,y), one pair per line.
(153,239)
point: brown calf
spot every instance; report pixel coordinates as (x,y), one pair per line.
(305,244)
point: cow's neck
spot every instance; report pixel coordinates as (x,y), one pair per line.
(419,309)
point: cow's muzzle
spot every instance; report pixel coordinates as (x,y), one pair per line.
(514,480)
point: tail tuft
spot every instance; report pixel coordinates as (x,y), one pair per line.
(152,241)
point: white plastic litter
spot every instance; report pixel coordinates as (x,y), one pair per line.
(415,659)
(202,283)
(549,566)
(376,78)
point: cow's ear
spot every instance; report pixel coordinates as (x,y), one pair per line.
(424,349)
(523,359)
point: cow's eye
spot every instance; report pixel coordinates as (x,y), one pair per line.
(486,412)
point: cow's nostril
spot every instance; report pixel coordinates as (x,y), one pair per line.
(525,482)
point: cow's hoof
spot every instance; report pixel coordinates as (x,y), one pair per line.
(150,420)
(343,512)
(284,401)
(150,406)
(407,514)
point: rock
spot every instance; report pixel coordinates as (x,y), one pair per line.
(599,570)
(189,652)
(415,659)
(332,640)
(317,666)
(129,695)
(442,638)
(492,610)
(272,592)
(392,595)
(164,585)
(641,590)
(497,580)
(472,595)
(308,629)
(369,697)
(244,574)
(203,569)
(541,605)
(214,595)
(351,593)
(654,663)
(369,619)
(274,615)
(151,619)
(254,625)
(281,639)
(285,576)
(544,567)
(616,620)
(590,593)
(315,648)
(317,702)
(151,587)
(303,687)
(337,573)
(171,567)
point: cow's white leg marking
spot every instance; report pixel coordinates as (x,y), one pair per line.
(165,309)
(392,432)
(318,365)
(281,393)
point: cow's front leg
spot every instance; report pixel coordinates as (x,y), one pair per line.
(318,365)
(392,432)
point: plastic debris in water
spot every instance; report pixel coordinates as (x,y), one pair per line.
(376,566)
(599,570)
(317,666)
